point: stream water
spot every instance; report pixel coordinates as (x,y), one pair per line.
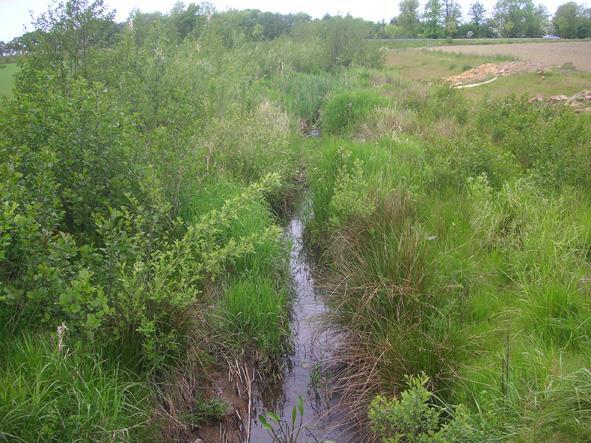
(305,376)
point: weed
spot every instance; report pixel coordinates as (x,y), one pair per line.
(281,430)
(413,419)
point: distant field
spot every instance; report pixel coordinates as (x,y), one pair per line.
(552,53)
(7,78)
(400,43)
(427,66)
(531,84)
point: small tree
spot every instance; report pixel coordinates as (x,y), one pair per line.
(519,18)
(432,19)
(408,19)
(572,21)
(345,40)
(452,15)
(190,19)
(69,35)
(477,16)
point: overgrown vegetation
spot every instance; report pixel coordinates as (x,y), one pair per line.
(145,172)
(145,168)
(463,254)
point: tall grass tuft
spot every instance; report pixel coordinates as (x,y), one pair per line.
(69,396)
(254,320)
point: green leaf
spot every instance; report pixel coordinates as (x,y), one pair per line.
(301,405)
(264,422)
(294,414)
(274,417)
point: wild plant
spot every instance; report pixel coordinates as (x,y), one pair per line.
(414,418)
(281,430)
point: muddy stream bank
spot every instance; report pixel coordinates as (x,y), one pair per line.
(305,375)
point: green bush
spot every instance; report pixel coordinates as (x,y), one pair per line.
(413,418)
(88,145)
(134,288)
(549,142)
(351,197)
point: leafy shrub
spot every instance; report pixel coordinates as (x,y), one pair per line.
(133,288)
(412,417)
(549,142)
(157,290)
(88,143)
(351,197)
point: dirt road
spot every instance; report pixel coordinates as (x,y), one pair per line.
(550,53)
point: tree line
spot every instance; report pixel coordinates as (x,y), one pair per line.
(182,21)
(436,19)
(508,19)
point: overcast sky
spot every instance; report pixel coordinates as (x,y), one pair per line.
(15,14)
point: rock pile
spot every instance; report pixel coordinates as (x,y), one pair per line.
(581,102)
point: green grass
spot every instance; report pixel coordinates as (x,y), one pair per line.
(7,73)
(434,65)
(452,231)
(251,318)
(532,84)
(478,280)
(254,319)
(47,396)
(343,110)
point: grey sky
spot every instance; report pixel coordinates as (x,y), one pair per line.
(15,14)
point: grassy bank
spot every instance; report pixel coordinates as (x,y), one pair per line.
(457,246)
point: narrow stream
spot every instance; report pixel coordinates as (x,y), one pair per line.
(306,376)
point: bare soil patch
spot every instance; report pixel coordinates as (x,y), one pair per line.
(549,53)
(490,70)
